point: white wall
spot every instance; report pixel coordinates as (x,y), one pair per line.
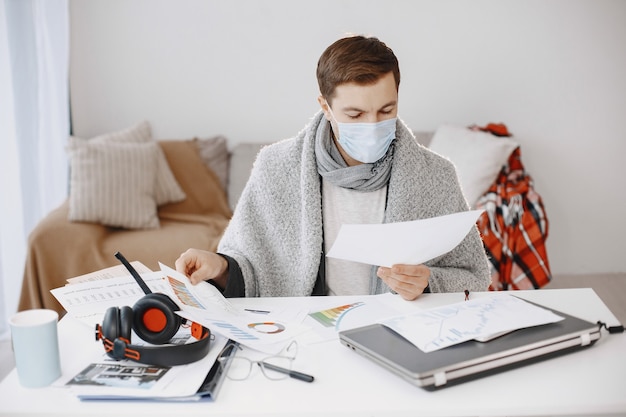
(552,70)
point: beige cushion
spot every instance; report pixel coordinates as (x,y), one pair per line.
(168,190)
(120,178)
(114,184)
(141,132)
(478,157)
(214,153)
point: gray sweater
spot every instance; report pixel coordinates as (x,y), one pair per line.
(276,233)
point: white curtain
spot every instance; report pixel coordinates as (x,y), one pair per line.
(34,126)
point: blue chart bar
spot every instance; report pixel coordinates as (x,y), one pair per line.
(456,333)
(235,331)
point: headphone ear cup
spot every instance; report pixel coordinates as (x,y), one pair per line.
(111,323)
(125,323)
(154,318)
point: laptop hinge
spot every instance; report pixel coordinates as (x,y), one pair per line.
(585,339)
(440,378)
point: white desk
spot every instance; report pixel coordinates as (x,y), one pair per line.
(588,382)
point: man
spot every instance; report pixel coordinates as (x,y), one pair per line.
(355,162)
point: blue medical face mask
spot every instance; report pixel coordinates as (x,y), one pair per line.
(366,142)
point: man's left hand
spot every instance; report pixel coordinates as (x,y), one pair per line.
(407,280)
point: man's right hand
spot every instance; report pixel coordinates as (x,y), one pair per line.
(200,265)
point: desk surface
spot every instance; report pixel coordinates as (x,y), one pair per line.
(590,381)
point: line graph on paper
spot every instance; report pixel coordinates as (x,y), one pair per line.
(480,318)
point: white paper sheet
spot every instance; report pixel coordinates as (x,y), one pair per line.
(87,301)
(480,318)
(411,243)
(332,316)
(111,272)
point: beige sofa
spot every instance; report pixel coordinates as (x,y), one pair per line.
(59,249)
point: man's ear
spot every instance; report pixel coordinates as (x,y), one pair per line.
(324,105)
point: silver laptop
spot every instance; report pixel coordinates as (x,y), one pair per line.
(471,359)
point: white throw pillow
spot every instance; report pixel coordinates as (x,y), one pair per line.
(168,189)
(478,157)
(118,179)
(114,184)
(214,153)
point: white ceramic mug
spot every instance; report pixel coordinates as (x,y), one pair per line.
(36,347)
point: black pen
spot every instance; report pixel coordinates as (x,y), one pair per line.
(293,374)
(257,311)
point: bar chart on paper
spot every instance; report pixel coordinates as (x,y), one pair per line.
(332,317)
(183,294)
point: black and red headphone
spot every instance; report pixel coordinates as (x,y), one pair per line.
(154,320)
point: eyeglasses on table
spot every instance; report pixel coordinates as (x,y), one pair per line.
(276,367)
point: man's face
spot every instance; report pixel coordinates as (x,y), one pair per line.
(354,103)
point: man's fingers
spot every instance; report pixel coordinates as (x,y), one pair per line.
(406,285)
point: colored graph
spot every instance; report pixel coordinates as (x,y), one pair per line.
(183,293)
(332,316)
(267,327)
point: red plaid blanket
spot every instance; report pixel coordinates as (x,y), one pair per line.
(514,229)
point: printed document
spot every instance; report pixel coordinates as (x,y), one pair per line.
(268,330)
(411,243)
(87,301)
(480,319)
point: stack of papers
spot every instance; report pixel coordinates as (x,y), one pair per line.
(267,330)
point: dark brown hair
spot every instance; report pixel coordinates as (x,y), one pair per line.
(359,59)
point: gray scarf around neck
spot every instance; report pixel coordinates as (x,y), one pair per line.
(332,167)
